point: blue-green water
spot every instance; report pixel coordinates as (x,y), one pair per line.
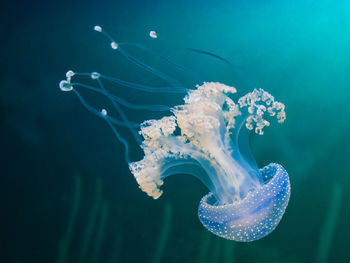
(67,194)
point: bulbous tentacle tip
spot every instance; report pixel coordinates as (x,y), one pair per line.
(65,85)
(98,28)
(254,217)
(153,34)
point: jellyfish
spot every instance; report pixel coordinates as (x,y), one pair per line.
(207,136)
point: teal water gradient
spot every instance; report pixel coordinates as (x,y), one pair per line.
(299,51)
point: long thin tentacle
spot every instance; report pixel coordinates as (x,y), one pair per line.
(109,121)
(121,101)
(134,60)
(151,51)
(120,111)
(139,87)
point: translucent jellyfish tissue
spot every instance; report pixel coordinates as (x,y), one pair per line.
(244,203)
(207,137)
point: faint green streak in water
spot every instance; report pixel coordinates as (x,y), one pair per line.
(101,227)
(65,242)
(87,235)
(163,236)
(329,225)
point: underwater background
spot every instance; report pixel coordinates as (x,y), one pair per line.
(67,194)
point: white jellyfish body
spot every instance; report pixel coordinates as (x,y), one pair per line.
(244,204)
(206,137)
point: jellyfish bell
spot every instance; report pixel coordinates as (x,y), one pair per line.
(207,137)
(254,217)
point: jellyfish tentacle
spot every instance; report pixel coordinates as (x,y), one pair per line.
(257,103)
(205,123)
(154,71)
(116,106)
(124,102)
(188,167)
(137,86)
(96,76)
(153,34)
(98,113)
(239,73)
(164,58)
(144,87)
(244,204)
(134,60)
(183,150)
(241,140)
(103,114)
(121,139)
(159,164)
(198,121)
(208,137)
(66,85)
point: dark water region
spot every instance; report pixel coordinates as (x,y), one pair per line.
(67,194)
